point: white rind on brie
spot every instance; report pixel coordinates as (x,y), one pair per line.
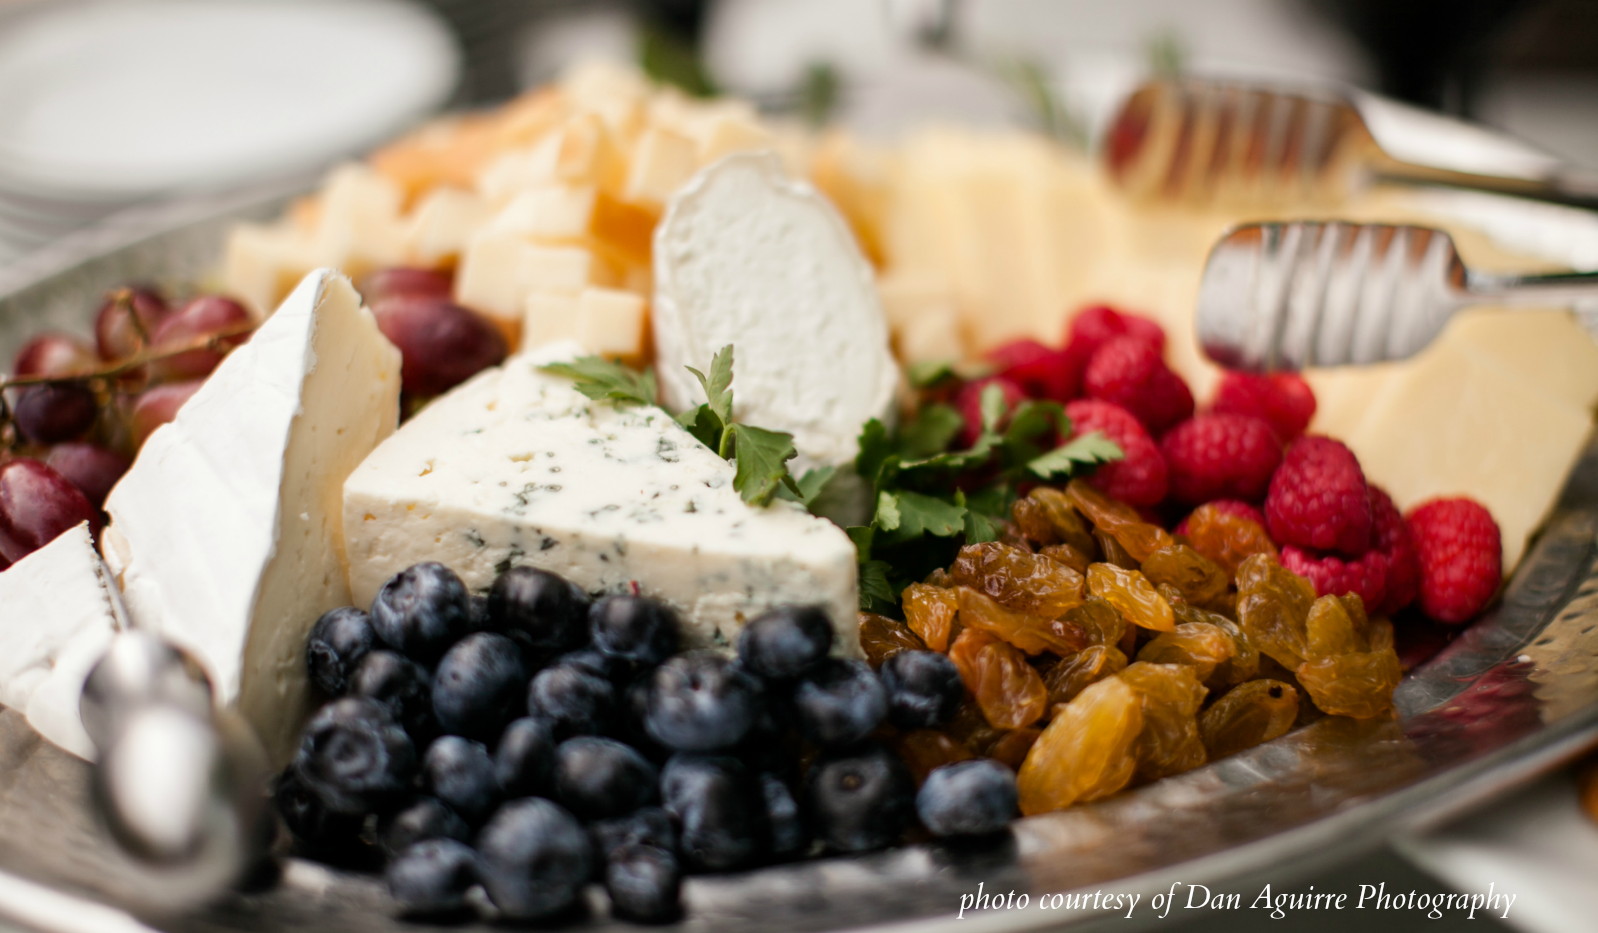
(226,533)
(58,613)
(749,257)
(517,468)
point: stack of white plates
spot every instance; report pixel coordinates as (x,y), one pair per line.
(108,103)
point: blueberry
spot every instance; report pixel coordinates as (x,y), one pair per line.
(634,628)
(421,611)
(524,763)
(598,778)
(337,643)
(786,642)
(422,819)
(572,702)
(400,684)
(968,798)
(320,832)
(644,884)
(924,689)
(719,813)
(862,799)
(700,702)
(459,772)
(839,704)
(598,663)
(432,877)
(785,825)
(354,757)
(540,608)
(650,826)
(478,614)
(479,686)
(533,858)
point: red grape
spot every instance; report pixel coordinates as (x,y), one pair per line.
(36,504)
(401,280)
(158,405)
(442,344)
(209,314)
(55,411)
(52,354)
(90,467)
(114,332)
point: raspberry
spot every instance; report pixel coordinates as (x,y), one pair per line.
(1128,372)
(1231,507)
(969,403)
(1318,499)
(1334,576)
(1391,536)
(1094,326)
(1140,478)
(1284,400)
(1461,557)
(1043,372)
(1220,457)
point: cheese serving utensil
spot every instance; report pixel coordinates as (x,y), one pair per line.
(1198,141)
(1301,293)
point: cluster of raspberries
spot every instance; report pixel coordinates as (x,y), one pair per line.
(1249,447)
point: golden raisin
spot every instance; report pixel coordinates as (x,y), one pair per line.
(1360,684)
(1329,629)
(939,578)
(1132,596)
(1248,715)
(1032,634)
(1227,539)
(1069,556)
(1119,520)
(1047,516)
(1112,550)
(881,638)
(926,749)
(1009,691)
(1018,580)
(1086,751)
(1200,580)
(1171,695)
(1013,536)
(1273,606)
(1103,625)
(1012,748)
(972,729)
(1088,666)
(929,611)
(1200,645)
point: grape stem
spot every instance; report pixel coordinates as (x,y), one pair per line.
(213,342)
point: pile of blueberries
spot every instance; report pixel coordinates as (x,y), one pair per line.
(534,740)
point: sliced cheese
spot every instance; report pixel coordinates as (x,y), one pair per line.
(226,534)
(59,610)
(517,468)
(748,257)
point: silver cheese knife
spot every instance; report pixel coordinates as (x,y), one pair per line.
(1306,293)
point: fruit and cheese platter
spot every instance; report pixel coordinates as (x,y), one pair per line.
(622,508)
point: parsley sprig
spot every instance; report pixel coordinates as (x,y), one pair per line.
(928,499)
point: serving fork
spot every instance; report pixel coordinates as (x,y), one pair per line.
(1307,293)
(1197,141)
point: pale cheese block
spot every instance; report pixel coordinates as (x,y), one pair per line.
(59,610)
(359,227)
(261,264)
(749,257)
(606,322)
(501,268)
(662,162)
(517,468)
(441,225)
(226,534)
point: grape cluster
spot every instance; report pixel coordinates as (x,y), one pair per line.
(536,739)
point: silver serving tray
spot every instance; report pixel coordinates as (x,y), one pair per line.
(1515,695)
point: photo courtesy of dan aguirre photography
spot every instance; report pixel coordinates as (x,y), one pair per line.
(798,466)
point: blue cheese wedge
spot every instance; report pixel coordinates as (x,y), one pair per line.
(59,610)
(749,257)
(226,535)
(517,468)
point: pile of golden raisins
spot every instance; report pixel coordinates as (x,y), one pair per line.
(1099,651)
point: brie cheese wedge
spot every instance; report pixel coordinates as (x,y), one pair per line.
(517,468)
(748,257)
(59,610)
(226,534)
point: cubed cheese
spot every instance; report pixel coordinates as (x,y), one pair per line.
(261,264)
(608,322)
(517,468)
(58,612)
(500,269)
(662,162)
(359,226)
(441,225)
(748,257)
(228,526)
